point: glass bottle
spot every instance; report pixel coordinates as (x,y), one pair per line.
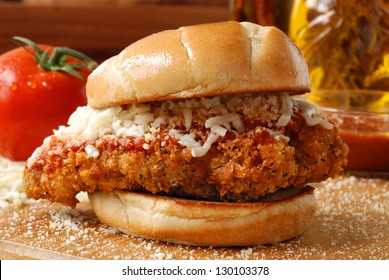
(345,42)
(262,12)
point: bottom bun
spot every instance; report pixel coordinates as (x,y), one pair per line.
(204,223)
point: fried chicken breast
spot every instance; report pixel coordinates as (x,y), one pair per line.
(255,152)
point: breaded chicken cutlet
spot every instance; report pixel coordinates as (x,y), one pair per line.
(260,153)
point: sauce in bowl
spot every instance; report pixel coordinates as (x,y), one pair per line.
(368,152)
(362,119)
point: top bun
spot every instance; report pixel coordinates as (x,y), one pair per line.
(199,61)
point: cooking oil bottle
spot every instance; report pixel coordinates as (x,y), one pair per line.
(345,42)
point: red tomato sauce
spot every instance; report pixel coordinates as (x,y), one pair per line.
(368,152)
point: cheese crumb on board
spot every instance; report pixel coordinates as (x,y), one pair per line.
(11,187)
(351,222)
(12,191)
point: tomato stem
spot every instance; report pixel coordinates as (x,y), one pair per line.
(57,60)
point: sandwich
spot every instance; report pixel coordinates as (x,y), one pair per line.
(193,136)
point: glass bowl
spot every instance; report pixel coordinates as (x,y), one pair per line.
(362,120)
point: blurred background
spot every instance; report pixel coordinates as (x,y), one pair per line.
(100,28)
(345,44)
(344,41)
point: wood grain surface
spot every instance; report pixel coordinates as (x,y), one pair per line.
(351,223)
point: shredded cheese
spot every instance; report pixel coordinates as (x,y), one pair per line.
(11,187)
(217,115)
(12,191)
(92,151)
(311,116)
(202,150)
(286,110)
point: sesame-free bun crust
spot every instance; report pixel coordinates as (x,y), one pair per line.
(203,223)
(197,61)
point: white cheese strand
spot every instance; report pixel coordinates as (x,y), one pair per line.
(92,151)
(226,120)
(187,117)
(203,150)
(221,131)
(310,115)
(286,110)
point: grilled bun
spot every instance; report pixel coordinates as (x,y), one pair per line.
(200,61)
(202,223)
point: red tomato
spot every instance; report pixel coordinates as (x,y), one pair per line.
(34,101)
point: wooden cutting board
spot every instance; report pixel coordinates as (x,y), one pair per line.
(352,222)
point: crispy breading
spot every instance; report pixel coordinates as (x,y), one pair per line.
(238,167)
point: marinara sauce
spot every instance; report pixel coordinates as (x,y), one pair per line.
(368,139)
(361,117)
(367,152)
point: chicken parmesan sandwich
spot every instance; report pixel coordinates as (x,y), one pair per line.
(192,136)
